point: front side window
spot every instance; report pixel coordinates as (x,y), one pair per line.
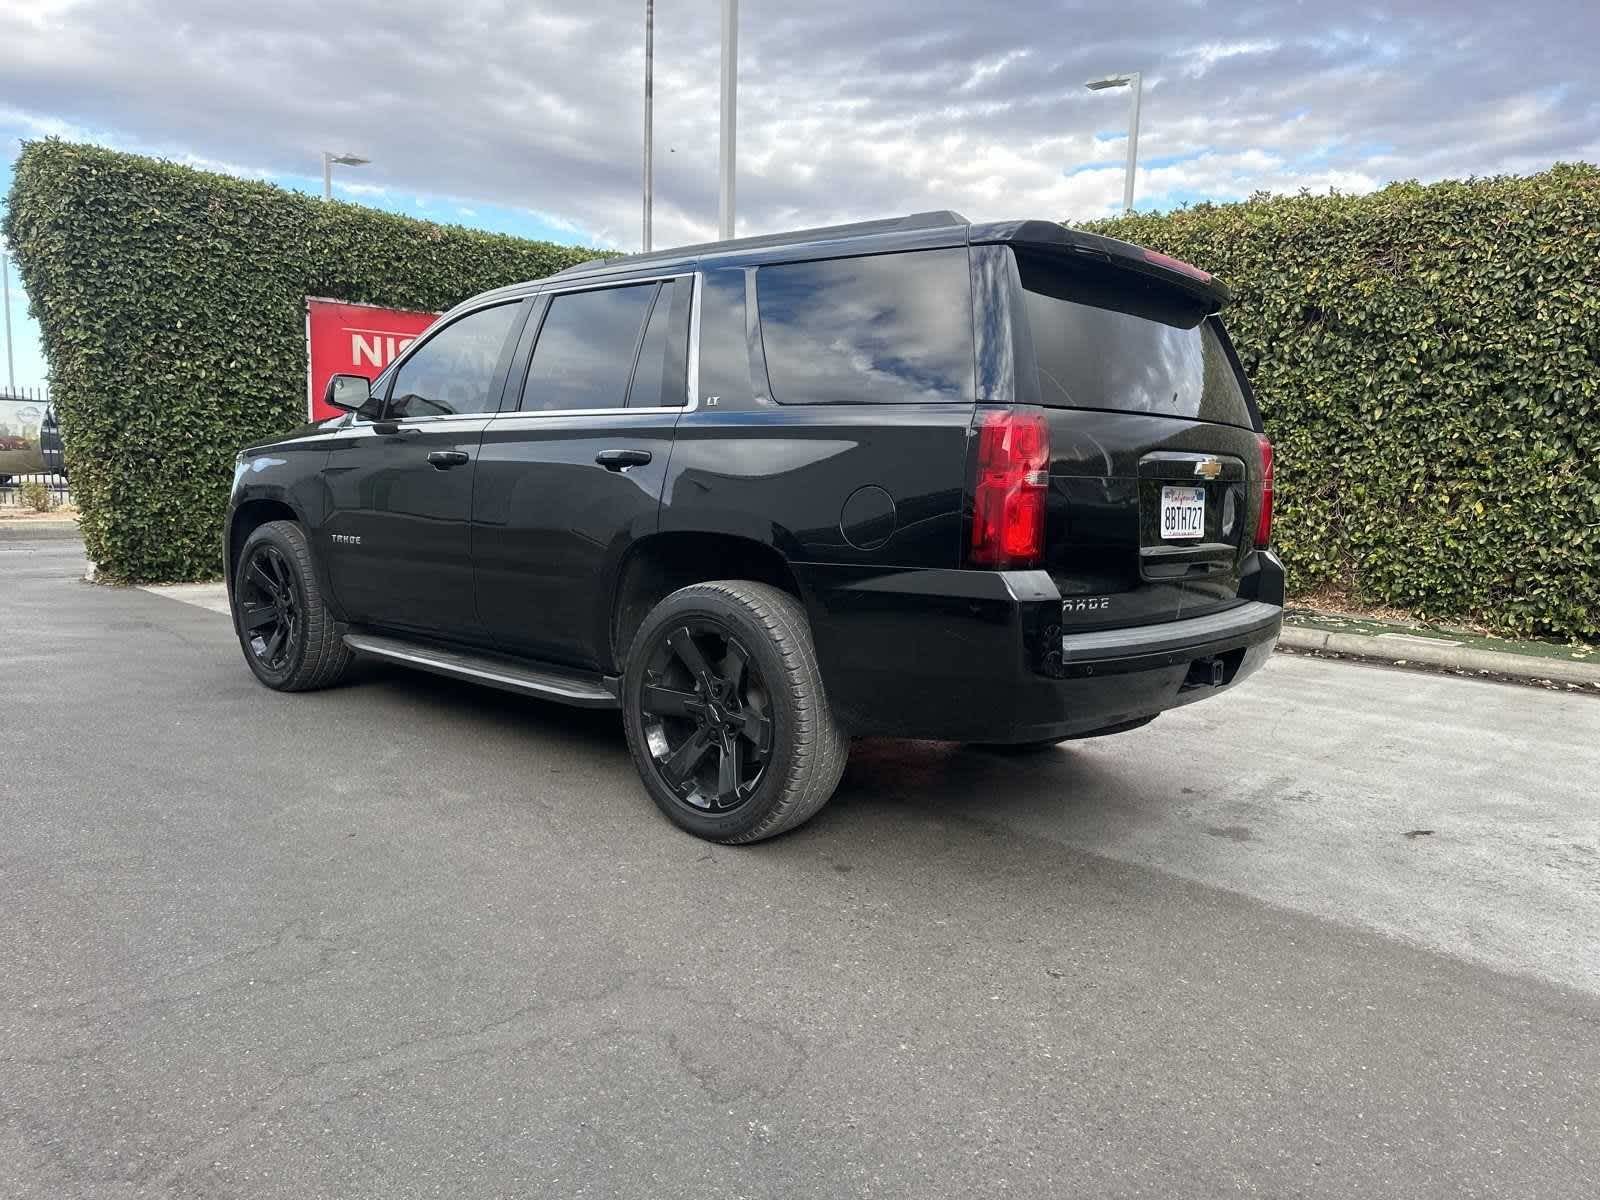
(586,349)
(454,370)
(889,329)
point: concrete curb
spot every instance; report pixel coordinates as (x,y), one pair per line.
(33,531)
(1440,654)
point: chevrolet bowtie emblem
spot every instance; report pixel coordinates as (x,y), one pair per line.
(1209,467)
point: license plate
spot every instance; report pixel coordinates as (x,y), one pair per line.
(1183,512)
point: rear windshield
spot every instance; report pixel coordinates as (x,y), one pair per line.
(1108,339)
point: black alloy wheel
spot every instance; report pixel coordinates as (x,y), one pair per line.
(270,616)
(706,714)
(290,638)
(725,712)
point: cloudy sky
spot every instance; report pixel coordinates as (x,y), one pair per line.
(524,115)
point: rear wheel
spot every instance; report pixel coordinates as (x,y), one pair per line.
(289,637)
(725,712)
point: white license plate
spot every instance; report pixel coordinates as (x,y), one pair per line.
(1183,512)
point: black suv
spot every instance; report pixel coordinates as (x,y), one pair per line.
(999,483)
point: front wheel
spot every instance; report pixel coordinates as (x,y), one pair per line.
(725,712)
(289,637)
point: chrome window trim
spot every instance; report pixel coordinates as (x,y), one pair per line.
(691,375)
(429,418)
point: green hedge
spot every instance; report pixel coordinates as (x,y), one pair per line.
(1427,358)
(172,306)
(1427,361)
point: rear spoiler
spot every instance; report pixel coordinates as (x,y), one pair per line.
(1051,238)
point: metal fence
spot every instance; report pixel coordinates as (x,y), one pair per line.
(15,492)
(31,456)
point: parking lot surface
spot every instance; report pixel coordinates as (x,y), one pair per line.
(1332,934)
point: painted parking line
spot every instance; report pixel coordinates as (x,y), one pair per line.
(210,596)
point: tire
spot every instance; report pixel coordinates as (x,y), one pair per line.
(286,596)
(721,686)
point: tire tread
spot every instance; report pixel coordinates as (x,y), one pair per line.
(326,657)
(820,747)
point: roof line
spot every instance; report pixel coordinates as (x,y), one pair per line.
(937,219)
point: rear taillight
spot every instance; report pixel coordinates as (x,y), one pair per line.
(1264,521)
(1008,499)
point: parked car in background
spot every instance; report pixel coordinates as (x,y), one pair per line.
(997,483)
(21,425)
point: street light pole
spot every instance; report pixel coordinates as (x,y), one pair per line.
(1134,81)
(1137,88)
(649,115)
(5,299)
(345,160)
(730,99)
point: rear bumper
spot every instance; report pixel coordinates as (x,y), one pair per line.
(979,656)
(1146,647)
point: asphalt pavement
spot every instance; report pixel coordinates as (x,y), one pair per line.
(1332,934)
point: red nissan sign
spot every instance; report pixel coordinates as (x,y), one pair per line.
(358,339)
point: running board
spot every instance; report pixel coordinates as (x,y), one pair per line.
(584,692)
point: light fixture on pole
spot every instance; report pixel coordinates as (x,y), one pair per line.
(344,160)
(649,115)
(1134,81)
(730,99)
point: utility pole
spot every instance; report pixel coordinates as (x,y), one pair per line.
(649,115)
(730,100)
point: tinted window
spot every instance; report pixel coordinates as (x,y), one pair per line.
(724,347)
(651,373)
(586,347)
(1107,339)
(891,329)
(454,370)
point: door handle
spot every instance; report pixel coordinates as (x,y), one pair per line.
(443,460)
(621,460)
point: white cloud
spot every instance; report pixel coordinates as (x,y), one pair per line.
(846,110)
(992,67)
(1202,58)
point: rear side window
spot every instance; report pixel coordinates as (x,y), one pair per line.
(724,343)
(1108,339)
(586,349)
(658,378)
(887,329)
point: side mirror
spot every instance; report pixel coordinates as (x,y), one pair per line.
(352,393)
